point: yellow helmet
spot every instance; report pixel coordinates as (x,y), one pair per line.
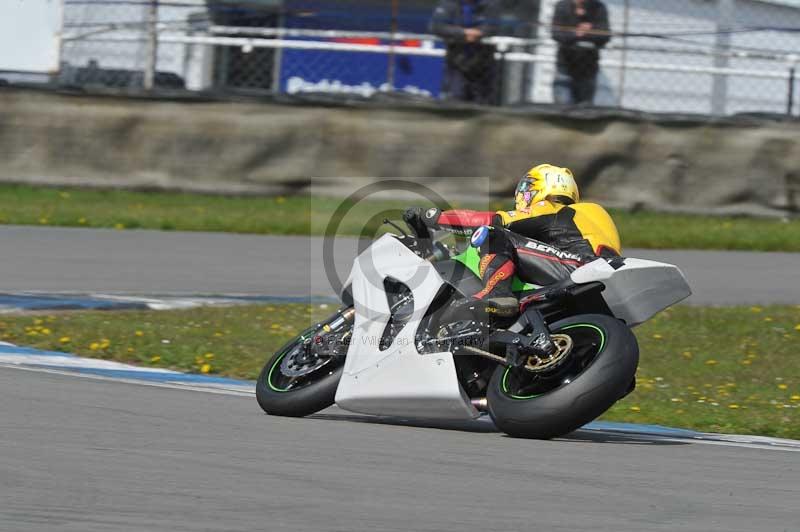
(546,182)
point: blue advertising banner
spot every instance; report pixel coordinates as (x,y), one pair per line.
(357,72)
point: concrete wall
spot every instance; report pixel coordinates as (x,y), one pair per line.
(624,160)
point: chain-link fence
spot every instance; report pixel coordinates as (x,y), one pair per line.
(686,56)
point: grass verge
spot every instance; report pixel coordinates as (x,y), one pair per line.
(734,370)
(27,205)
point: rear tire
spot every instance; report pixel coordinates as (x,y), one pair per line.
(593,390)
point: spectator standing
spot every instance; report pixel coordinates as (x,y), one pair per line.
(581,29)
(471,70)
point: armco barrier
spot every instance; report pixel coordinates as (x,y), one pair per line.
(745,164)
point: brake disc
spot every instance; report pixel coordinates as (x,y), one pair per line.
(313,354)
(538,363)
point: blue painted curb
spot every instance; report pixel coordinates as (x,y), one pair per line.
(16,302)
(633,428)
(152,376)
(34,302)
(54,360)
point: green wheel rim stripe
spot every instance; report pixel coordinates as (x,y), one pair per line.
(508,369)
(301,338)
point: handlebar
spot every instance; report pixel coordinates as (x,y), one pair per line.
(421,241)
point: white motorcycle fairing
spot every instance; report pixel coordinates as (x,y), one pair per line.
(398,381)
(638,290)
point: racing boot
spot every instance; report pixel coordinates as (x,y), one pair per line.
(495,300)
(497,272)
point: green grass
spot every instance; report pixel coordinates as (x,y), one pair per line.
(27,205)
(230,341)
(734,370)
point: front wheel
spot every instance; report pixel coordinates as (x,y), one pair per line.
(301,378)
(597,373)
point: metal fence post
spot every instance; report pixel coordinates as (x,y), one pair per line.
(726,13)
(390,67)
(500,79)
(624,59)
(151,50)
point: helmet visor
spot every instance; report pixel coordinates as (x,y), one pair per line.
(525,185)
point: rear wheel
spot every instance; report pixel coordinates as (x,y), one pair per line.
(597,373)
(301,378)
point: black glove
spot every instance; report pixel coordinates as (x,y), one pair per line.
(415,219)
(412,215)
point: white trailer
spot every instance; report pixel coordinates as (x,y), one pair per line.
(30,38)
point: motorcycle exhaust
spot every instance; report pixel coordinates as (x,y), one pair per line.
(480,404)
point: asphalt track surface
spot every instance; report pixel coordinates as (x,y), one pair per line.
(86,455)
(82,455)
(149,262)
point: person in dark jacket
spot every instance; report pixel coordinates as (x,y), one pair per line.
(470,67)
(581,29)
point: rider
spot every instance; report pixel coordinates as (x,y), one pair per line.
(548,235)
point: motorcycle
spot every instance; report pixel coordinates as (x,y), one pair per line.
(397,348)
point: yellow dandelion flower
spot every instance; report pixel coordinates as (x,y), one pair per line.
(746,362)
(45,330)
(657,336)
(205,368)
(155,358)
(43,221)
(635,409)
(797,327)
(768,319)
(756,309)
(782,386)
(82,221)
(119,227)
(38,321)
(795,398)
(733,406)
(209,356)
(65,339)
(94,346)
(274,326)
(711,362)
(139,333)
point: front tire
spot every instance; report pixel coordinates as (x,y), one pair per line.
(300,394)
(601,367)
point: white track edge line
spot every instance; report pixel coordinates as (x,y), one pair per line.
(170,385)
